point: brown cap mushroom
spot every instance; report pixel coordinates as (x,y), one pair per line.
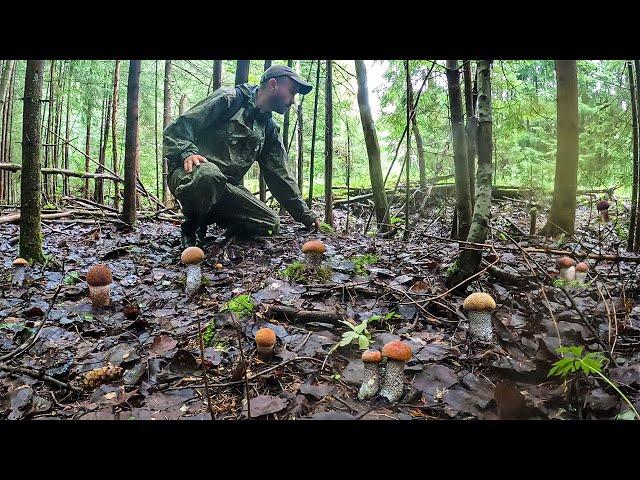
(397,350)
(192,255)
(371,356)
(265,337)
(99,275)
(582,267)
(313,246)
(603,205)
(479,302)
(20,261)
(566,262)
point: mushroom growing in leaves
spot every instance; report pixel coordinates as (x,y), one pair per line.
(581,272)
(603,210)
(265,341)
(479,306)
(192,257)
(397,353)
(371,379)
(99,278)
(313,251)
(19,265)
(567,268)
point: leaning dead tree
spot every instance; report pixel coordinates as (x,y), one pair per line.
(468,263)
(373,149)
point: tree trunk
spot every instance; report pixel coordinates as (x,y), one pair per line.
(114,133)
(468,263)
(87,150)
(65,180)
(4,80)
(216,82)
(300,159)
(131,149)
(242,71)
(463,195)
(48,184)
(30,193)
(166,120)
(328,144)
(471,129)
(285,136)
(99,186)
(182,106)
(155,122)
(636,241)
(313,136)
(634,195)
(59,96)
(563,208)
(12,97)
(419,144)
(373,148)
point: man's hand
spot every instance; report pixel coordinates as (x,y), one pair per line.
(315,226)
(193,161)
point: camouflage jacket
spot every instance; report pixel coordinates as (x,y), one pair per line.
(233,144)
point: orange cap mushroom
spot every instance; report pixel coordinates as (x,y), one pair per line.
(99,275)
(192,255)
(265,337)
(397,350)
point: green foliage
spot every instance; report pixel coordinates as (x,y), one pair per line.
(326,228)
(242,305)
(356,334)
(574,361)
(295,272)
(361,261)
(384,318)
(559,282)
(396,220)
(71,278)
(208,335)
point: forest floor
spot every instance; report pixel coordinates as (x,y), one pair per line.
(150,329)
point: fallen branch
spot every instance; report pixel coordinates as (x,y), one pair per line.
(292,314)
(40,375)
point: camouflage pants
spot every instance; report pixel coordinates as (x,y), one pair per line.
(207,197)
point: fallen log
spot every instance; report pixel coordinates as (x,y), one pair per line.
(294,315)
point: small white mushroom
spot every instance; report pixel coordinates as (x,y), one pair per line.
(581,272)
(371,379)
(19,270)
(479,306)
(192,257)
(567,268)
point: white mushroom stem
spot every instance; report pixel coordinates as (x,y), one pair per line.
(264,351)
(604,215)
(568,274)
(18,275)
(100,295)
(393,381)
(370,381)
(581,277)
(313,258)
(480,326)
(194,277)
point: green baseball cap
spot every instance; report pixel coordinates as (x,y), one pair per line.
(284,71)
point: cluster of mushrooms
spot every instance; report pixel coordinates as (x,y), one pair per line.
(390,383)
(570,271)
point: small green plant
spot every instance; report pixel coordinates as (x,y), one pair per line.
(361,261)
(384,319)
(71,278)
(356,334)
(326,228)
(209,334)
(295,271)
(559,282)
(396,220)
(574,361)
(242,305)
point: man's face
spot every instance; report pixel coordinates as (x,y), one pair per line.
(283,91)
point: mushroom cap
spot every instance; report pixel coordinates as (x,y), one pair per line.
(313,246)
(192,255)
(99,275)
(265,337)
(479,301)
(566,262)
(603,205)
(371,356)
(20,261)
(397,350)
(582,267)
